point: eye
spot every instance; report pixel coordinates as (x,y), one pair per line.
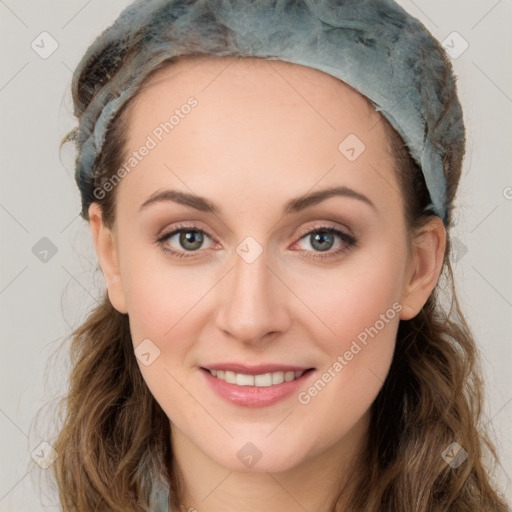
(322,239)
(183,239)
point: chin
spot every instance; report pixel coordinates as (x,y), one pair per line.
(255,454)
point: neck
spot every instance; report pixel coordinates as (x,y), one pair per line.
(314,484)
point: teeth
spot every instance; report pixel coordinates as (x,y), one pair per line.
(263,380)
(244,380)
(259,381)
(230,377)
(277,377)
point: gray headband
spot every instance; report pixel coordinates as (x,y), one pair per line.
(372,45)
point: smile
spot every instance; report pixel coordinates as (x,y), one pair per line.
(258,386)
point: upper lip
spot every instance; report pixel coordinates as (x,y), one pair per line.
(257,369)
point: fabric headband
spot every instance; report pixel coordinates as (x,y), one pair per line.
(373,45)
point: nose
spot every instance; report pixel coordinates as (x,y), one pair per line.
(254,305)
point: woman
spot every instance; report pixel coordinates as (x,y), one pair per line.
(270,191)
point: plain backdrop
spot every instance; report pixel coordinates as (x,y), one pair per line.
(48,276)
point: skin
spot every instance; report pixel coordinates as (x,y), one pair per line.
(263,133)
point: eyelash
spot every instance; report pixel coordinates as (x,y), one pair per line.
(349,241)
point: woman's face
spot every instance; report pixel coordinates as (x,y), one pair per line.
(254,283)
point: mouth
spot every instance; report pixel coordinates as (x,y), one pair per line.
(259,386)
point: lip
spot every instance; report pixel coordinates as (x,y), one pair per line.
(252,396)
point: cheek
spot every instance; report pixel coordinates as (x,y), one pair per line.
(359,308)
(160,308)
(347,301)
(357,340)
(158,296)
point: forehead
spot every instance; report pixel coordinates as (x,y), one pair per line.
(281,79)
(248,88)
(258,125)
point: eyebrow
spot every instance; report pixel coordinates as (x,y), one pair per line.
(293,206)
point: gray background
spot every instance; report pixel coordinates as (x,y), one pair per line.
(44,295)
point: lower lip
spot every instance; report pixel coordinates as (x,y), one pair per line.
(252,396)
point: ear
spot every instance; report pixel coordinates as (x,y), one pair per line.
(105,244)
(425,267)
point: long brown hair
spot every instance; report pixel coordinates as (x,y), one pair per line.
(114,441)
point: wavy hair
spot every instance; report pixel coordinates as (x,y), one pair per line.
(114,440)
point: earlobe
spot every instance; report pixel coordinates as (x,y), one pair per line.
(426,264)
(103,239)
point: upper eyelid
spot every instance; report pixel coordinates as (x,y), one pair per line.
(182,227)
(321,226)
